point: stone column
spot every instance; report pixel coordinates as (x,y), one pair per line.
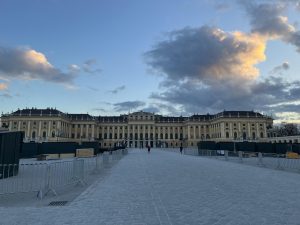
(93,131)
(75,131)
(194,129)
(87,131)
(28,129)
(265,130)
(49,129)
(40,127)
(249,131)
(19,125)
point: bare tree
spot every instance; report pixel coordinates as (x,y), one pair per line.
(288,129)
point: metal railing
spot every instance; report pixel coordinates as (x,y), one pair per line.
(268,160)
(47,176)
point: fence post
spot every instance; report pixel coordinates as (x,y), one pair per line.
(278,162)
(241,156)
(48,187)
(97,163)
(78,171)
(105,158)
(260,159)
(226,155)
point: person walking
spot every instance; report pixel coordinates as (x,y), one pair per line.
(181,149)
(148,148)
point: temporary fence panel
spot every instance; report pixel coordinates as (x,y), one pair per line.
(45,177)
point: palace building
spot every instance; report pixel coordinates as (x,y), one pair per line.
(137,129)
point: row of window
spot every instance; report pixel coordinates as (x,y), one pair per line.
(253,125)
(244,135)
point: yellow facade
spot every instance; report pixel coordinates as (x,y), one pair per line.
(137,129)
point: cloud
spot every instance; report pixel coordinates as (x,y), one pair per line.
(93,88)
(207,54)
(161,108)
(118,89)
(222,6)
(74,69)
(281,68)
(99,110)
(267,95)
(291,117)
(128,105)
(6,95)
(3,86)
(28,64)
(88,67)
(268,19)
(207,69)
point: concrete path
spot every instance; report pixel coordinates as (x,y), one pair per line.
(164,188)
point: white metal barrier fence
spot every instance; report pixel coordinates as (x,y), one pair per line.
(44,177)
(269,160)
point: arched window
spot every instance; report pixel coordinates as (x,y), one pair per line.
(227,134)
(44,134)
(253,135)
(244,135)
(261,134)
(166,136)
(53,134)
(33,134)
(235,135)
(161,136)
(207,136)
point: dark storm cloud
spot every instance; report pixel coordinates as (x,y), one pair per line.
(128,106)
(28,64)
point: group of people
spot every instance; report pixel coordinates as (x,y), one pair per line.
(149,148)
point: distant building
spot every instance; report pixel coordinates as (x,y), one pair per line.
(137,129)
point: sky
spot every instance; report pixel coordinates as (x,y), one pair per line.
(171,57)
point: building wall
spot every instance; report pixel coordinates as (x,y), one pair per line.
(139,129)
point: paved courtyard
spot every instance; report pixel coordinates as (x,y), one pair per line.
(168,188)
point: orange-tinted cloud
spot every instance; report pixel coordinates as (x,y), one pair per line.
(29,64)
(3,86)
(207,54)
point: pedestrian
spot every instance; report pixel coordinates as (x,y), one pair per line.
(181,149)
(148,148)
